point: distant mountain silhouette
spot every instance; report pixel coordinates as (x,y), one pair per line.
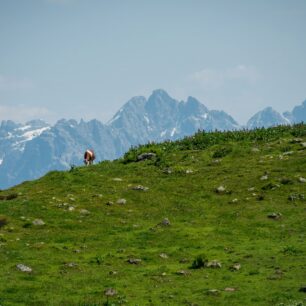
(28,151)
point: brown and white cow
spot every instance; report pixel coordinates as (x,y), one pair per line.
(89,157)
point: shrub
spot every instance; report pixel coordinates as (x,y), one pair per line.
(199,262)
(221,152)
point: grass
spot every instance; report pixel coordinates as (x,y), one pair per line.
(78,254)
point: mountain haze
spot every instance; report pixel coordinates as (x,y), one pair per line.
(28,151)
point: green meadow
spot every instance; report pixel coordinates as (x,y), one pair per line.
(213,219)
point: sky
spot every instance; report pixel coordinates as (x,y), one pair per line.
(86,58)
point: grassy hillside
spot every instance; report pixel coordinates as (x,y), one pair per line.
(221,223)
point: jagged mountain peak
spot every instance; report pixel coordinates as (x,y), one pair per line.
(266,118)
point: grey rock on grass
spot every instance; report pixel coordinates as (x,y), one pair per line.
(140,187)
(121,201)
(24,268)
(38,222)
(134,261)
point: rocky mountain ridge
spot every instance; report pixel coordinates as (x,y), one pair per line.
(28,151)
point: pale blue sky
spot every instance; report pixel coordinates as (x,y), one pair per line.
(86,58)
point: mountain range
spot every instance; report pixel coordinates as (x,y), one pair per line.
(28,151)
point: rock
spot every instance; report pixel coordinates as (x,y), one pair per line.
(274,216)
(167,171)
(303,144)
(296,140)
(221,189)
(134,261)
(165,222)
(229,289)
(302,289)
(264,177)
(110,292)
(213,292)
(213,264)
(251,189)
(302,180)
(255,150)
(121,201)
(235,267)
(38,222)
(188,171)
(110,203)
(295,197)
(163,255)
(184,260)
(117,179)
(71,208)
(84,212)
(183,272)
(234,200)
(140,187)
(24,268)
(113,273)
(288,153)
(145,156)
(71,265)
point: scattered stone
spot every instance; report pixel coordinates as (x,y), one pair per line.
(270,186)
(117,179)
(38,222)
(140,187)
(229,289)
(255,150)
(295,197)
(163,255)
(113,272)
(288,153)
(302,180)
(296,140)
(165,222)
(234,200)
(71,265)
(146,156)
(134,261)
(221,189)
(184,260)
(213,292)
(77,251)
(264,177)
(110,292)
(188,171)
(110,203)
(121,201)
(216,161)
(24,268)
(302,289)
(303,144)
(214,264)
(84,212)
(235,267)
(183,272)
(274,216)
(167,171)
(251,189)
(71,208)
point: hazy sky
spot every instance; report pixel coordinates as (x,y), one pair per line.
(86,58)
